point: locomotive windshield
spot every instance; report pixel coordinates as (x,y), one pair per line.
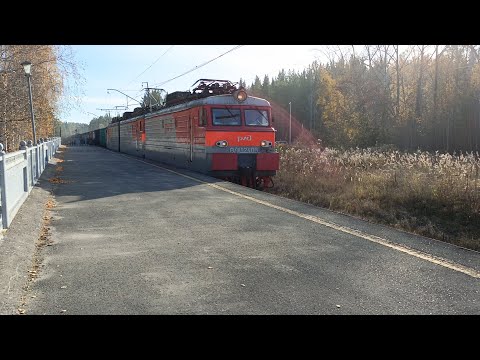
(228,117)
(256,118)
(232,117)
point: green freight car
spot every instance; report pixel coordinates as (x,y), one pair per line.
(103,137)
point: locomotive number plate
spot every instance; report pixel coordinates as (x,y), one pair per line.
(244,150)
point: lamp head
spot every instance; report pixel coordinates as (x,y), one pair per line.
(27,66)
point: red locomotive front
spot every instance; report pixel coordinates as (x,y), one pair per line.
(240,138)
(215,129)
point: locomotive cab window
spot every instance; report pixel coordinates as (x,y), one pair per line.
(256,117)
(226,117)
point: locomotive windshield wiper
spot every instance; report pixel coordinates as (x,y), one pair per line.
(232,119)
(227,116)
(233,116)
(261,113)
(230,113)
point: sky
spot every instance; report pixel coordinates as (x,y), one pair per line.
(126,67)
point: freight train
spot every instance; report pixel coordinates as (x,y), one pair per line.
(216,129)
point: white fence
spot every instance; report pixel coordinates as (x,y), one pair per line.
(19,172)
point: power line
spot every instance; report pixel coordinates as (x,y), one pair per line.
(151,64)
(199,66)
(129,90)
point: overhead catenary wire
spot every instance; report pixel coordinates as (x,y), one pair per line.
(143,72)
(199,66)
(189,71)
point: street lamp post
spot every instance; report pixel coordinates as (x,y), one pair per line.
(27,66)
(290,125)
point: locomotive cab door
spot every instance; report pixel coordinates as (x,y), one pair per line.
(191,123)
(140,138)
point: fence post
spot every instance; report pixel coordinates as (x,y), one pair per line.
(41,157)
(3,187)
(23,146)
(30,155)
(30,162)
(46,152)
(37,159)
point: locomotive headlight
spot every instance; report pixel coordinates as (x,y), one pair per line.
(265,143)
(222,143)
(240,95)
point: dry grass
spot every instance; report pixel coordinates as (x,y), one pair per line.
(432,194)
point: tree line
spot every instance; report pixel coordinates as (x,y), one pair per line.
(416,96)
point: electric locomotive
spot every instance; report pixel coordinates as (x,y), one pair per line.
(216,129)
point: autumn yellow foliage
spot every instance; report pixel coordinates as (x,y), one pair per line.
(51,65)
